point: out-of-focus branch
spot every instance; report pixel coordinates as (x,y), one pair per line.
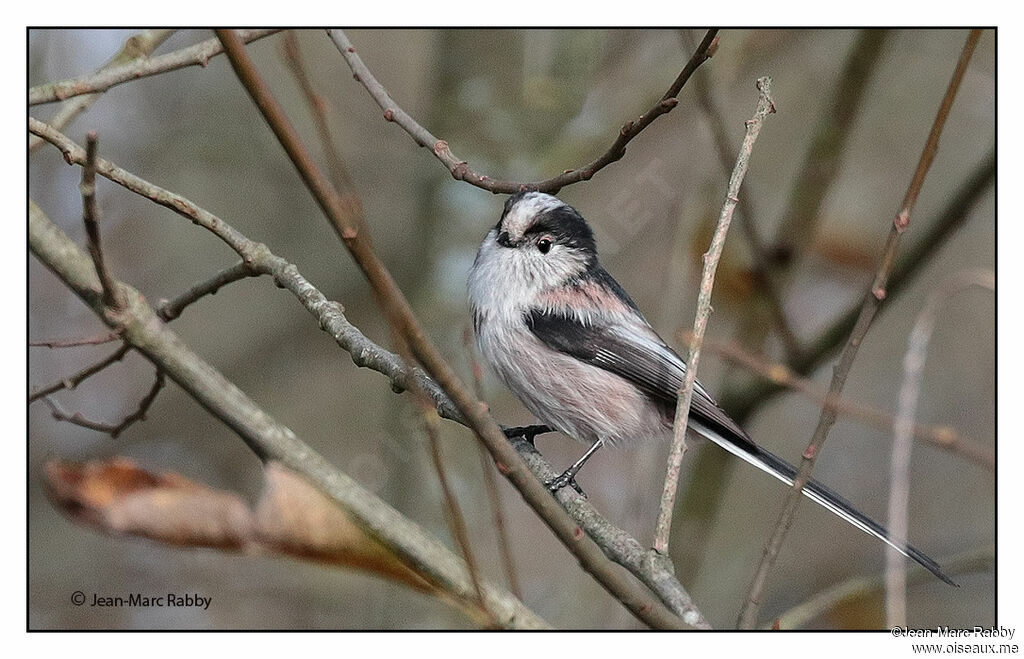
(346,216)
(460,169)
(137,47)
(762,272)
(798,223)
(270,440)
(765,106)
(870,588)
(942,436)
(869,307)
(615,542)
(903,427)
(197,55)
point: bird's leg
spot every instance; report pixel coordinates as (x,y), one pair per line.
(529,433)
(568,477)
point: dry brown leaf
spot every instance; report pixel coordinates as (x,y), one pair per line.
(292,517)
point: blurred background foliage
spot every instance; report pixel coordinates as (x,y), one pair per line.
(524,105)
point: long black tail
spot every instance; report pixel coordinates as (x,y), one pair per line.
(815,491)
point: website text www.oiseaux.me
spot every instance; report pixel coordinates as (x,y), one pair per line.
(947,640)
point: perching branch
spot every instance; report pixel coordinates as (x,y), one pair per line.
(765,106)
(615,543)
(346,216)
(903,427)
(264,435)
(104,79)
(869,307)
(460,170)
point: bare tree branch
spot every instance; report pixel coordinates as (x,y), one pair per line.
(941,436)
(872,301)
(741,401)
(197,55)
(460,170)
(168,310)
(137,47)
(264,435)
(490,481)
(90,216)
(765,106)
(74,380)
(112,429)
(903,428)
(346,216)
(99,339)
(615,542)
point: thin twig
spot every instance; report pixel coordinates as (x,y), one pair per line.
(460,170)
(267,438)
(137,47)
(112,429)
(941,436)
(90,216)
(765,106)
(342,181)
(453,512)
(869,307)
(614,542)
(106,337)
(74,380)
(348,221)
(197,55)
(490,480)
(168,310)
(903,425)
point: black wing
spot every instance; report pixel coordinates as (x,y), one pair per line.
(635,353)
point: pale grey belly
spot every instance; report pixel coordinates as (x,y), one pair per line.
(583,401)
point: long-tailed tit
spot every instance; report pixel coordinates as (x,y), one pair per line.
(561,333)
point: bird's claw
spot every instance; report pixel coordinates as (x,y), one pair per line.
(567,478)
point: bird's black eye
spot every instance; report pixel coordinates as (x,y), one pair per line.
(544,245)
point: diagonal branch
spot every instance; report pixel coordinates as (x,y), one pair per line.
(267,438)
(101,81)
(614,542)
(869,307)
(346,216)
(74,380)
(460,170)
(136,48)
